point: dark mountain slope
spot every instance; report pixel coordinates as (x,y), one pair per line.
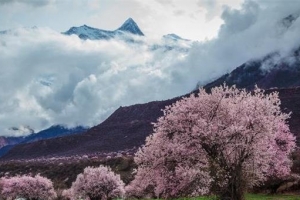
(290,102)
(266,73)
(7,143)
(53,132)
(4,141)
(126,128)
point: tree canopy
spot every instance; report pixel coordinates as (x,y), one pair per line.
(221,142)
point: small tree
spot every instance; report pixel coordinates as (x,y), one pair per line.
(226,141)
(67,194)
(97,183)
(27,187)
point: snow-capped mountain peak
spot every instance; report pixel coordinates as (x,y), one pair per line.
(87,32)
(174,37)
(130,26)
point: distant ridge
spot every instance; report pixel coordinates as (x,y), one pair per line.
(7,143)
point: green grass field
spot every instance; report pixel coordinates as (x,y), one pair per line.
(255,197)
(272,197)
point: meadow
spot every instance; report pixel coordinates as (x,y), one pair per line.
(256,197)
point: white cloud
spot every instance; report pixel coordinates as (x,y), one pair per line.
(35,3)
(250,32)
(51,78)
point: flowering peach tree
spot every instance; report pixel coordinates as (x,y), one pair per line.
(27,187)
(221,142)
(96,183)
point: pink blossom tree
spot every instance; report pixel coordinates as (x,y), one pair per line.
(224,141)
(27,187)
(97,183)
(167,170)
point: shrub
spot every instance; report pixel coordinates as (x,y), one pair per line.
(97,183)
(27,187)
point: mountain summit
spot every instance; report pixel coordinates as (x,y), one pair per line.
(87,32)
(130,26)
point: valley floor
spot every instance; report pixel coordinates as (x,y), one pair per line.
(64,171)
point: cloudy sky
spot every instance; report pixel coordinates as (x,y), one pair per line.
(49,78)
(192,19)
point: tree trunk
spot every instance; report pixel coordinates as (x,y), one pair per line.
(235,189)
(100,198)
(95,198)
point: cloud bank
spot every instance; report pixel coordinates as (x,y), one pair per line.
(48,78)
(34,3)
(251,32)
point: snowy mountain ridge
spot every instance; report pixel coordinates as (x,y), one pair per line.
(86,32)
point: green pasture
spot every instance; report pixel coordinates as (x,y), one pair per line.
(255,197)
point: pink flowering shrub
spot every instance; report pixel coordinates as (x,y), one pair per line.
(68,194)
(96,183)
(27,187)
(225,142)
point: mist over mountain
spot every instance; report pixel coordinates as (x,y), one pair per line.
(75,80)
(271,71)
(127,128)
(82,77)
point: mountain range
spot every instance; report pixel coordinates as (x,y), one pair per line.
(129,32)
(87,32)
(127,128)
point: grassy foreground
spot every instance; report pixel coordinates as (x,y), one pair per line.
(272,197)
(255,197)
